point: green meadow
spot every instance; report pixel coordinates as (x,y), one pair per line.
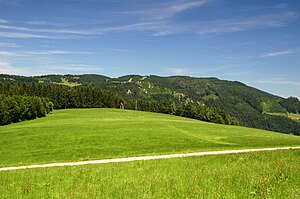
(86,134)
(253,175)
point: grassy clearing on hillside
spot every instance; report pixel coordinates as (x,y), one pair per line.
(85,134)
(70,84)
(253,175)
(292,116)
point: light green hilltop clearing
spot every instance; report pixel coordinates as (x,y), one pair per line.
(292,116)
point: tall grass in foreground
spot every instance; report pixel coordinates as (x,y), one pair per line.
(254,175)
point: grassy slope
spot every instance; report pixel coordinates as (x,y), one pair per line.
(253,175)
(83,134)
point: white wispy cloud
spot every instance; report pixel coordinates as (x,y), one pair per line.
(280,81)
(130,27)
(7,68)
(45,23)
(156,28)
(275,54)
(54,52)
(164,33)
(280,86)
(23,35)
(179,71)
(281,6)
(209,28)
(9,54)
(9,45)
(169,10)
(65,31)
(119,50)
(236,74)
(143,26)
(36,22)
(76,67)
(3,21)
(217,69)
(42,52)
(236,25)
(159,23)
(164,10)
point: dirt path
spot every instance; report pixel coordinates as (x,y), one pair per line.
(130,159)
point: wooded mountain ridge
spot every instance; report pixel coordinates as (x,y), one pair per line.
(252,107)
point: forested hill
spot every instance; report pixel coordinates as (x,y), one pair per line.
(252,107)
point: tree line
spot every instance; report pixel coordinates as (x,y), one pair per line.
(86,96)
(92,96)
(253,118)
(18,108)
(199,112)
(291,104)
(27,101)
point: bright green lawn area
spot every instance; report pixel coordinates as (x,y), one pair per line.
(253,175)
(84,134)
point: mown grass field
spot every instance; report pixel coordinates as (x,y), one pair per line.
(85,134)
(253,175)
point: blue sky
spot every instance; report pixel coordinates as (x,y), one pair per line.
(253,41)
